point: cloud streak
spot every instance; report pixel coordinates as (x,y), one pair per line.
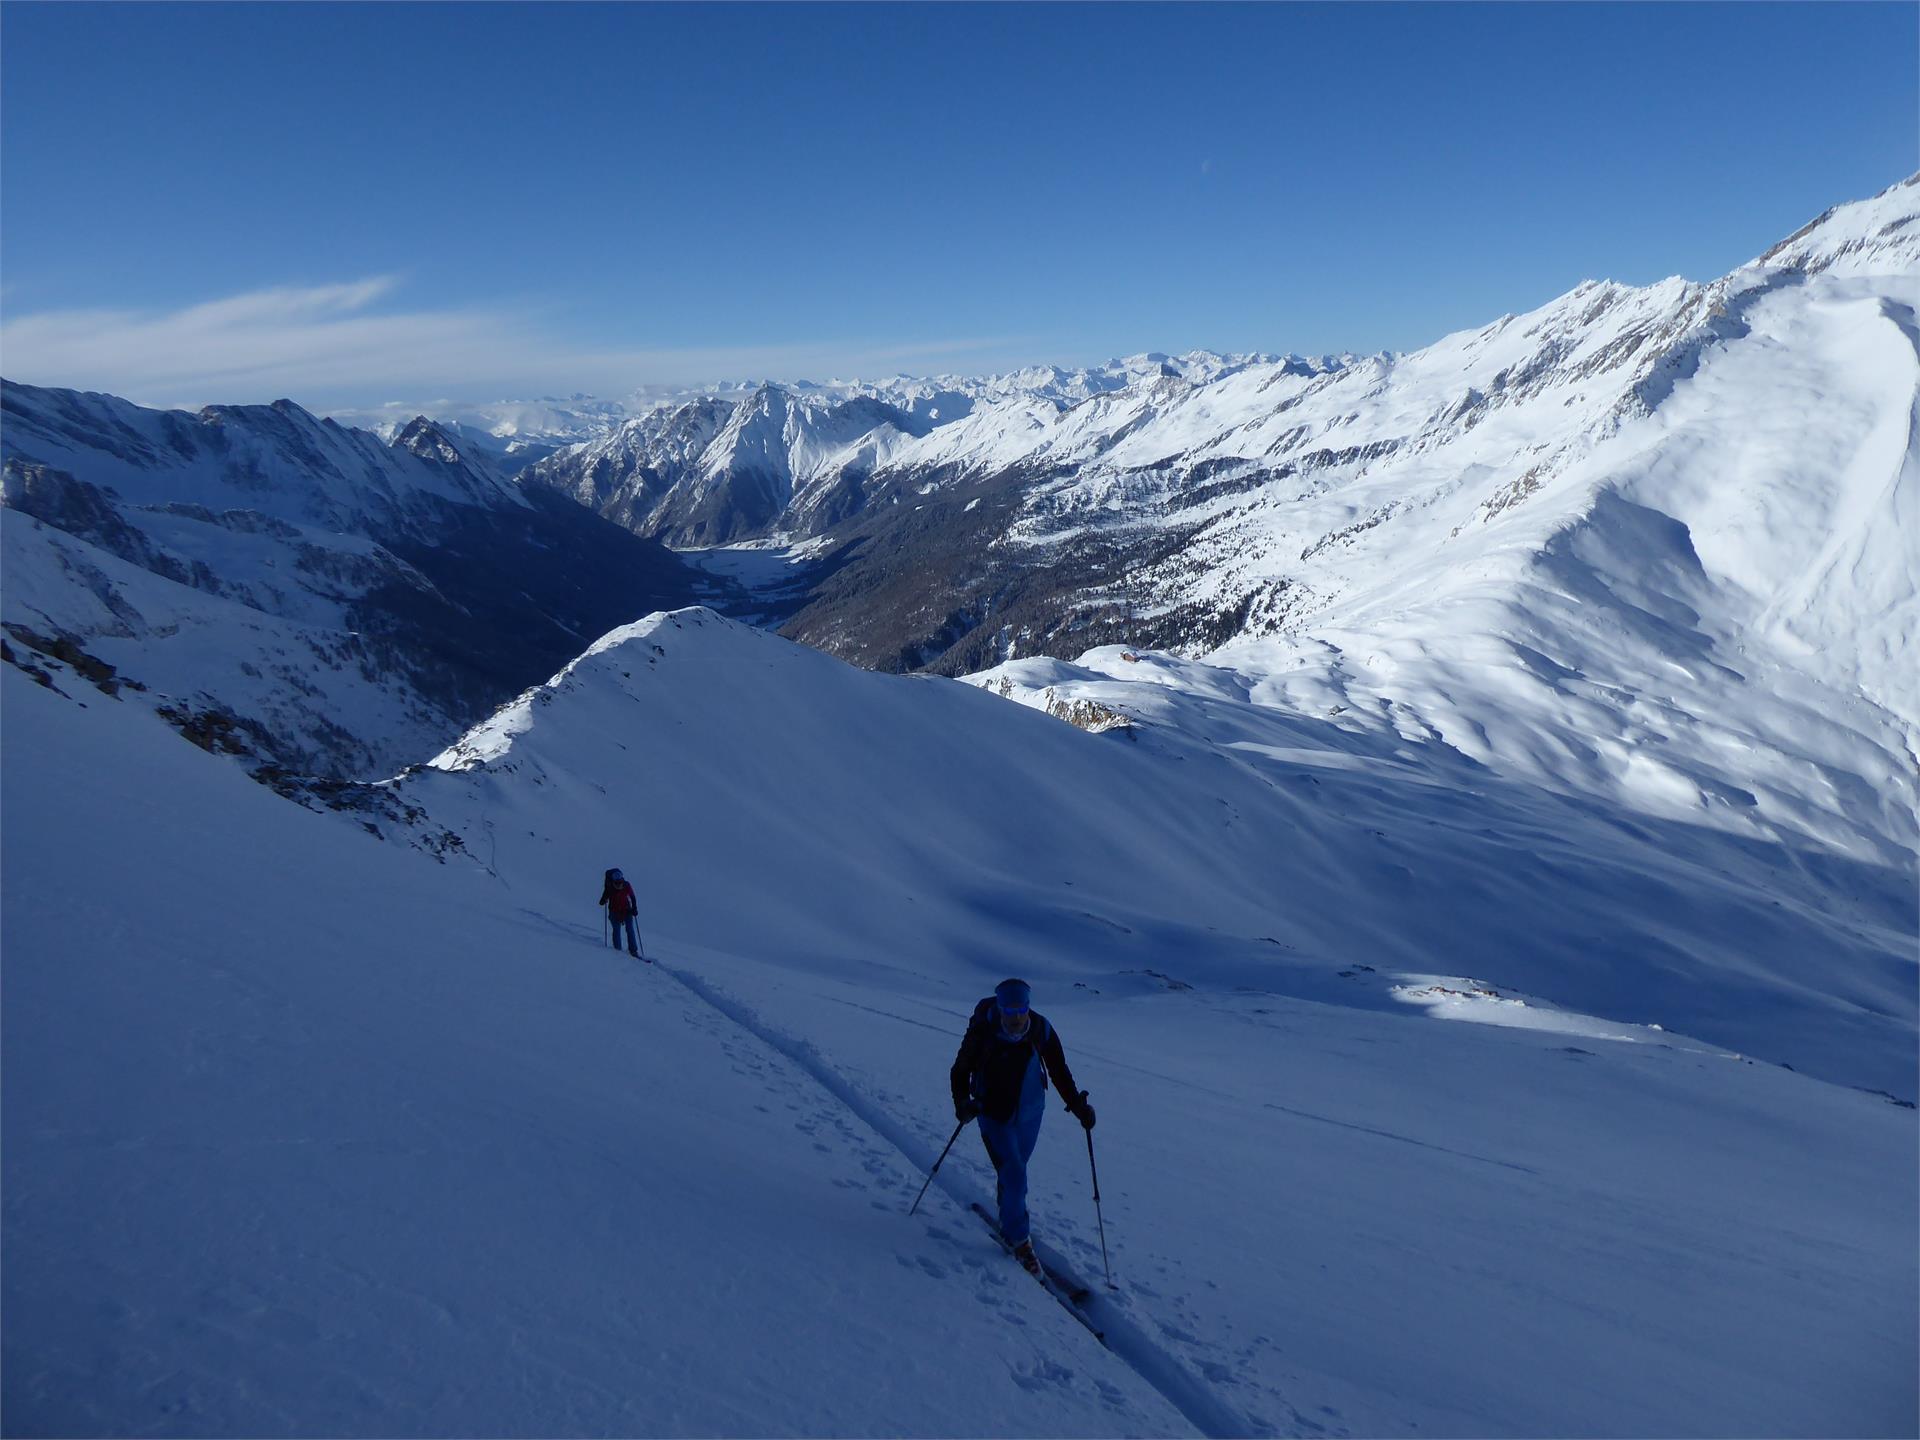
(332,345)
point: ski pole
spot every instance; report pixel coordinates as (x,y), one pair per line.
(1098,1217)
(936,1166)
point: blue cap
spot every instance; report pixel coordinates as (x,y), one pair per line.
(1013,995)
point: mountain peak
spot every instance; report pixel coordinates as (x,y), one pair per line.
(1876,236)
(426,439)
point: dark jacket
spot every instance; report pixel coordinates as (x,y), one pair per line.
(993,1070)
(618,897)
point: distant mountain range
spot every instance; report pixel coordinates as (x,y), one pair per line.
(295,591)
(517,433)
(1616,542)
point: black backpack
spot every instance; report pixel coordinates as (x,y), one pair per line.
(980,1027)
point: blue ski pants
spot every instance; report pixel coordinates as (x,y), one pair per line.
(633,941)
(1010,1145)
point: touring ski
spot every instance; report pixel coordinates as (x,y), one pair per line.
(1071,1294)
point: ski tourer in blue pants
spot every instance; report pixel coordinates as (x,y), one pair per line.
(1010,1145)
(1000,1075)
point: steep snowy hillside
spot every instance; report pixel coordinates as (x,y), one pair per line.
(437,1161)
(1661,545)
(296,591)
(404,1156)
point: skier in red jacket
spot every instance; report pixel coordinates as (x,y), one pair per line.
(622,905)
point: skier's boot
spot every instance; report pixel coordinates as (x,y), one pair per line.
(1023,1252)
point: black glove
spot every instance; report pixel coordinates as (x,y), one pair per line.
(1083,1111)
(965,1110)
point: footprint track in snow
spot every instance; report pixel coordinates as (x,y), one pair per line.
(1189,1393)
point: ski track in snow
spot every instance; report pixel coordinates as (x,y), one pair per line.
(1191,1396)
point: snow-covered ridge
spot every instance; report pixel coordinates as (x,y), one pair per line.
(813,776)
(493,738)
(1183,503)
(1602,351)
(1658,542)
(1878,236)
(1608,758)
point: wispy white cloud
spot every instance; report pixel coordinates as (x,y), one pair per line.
(341,345)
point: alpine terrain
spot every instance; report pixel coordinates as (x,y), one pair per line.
(1455,811)
(296,591)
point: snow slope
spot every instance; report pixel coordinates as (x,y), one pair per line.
(1278,496)
(427,1163)
(434,1161)
(1223,823)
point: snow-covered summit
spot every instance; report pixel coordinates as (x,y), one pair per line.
(493,738)
(514,433)
(795,458)
(1878,236)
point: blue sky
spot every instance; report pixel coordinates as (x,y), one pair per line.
(356,203)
